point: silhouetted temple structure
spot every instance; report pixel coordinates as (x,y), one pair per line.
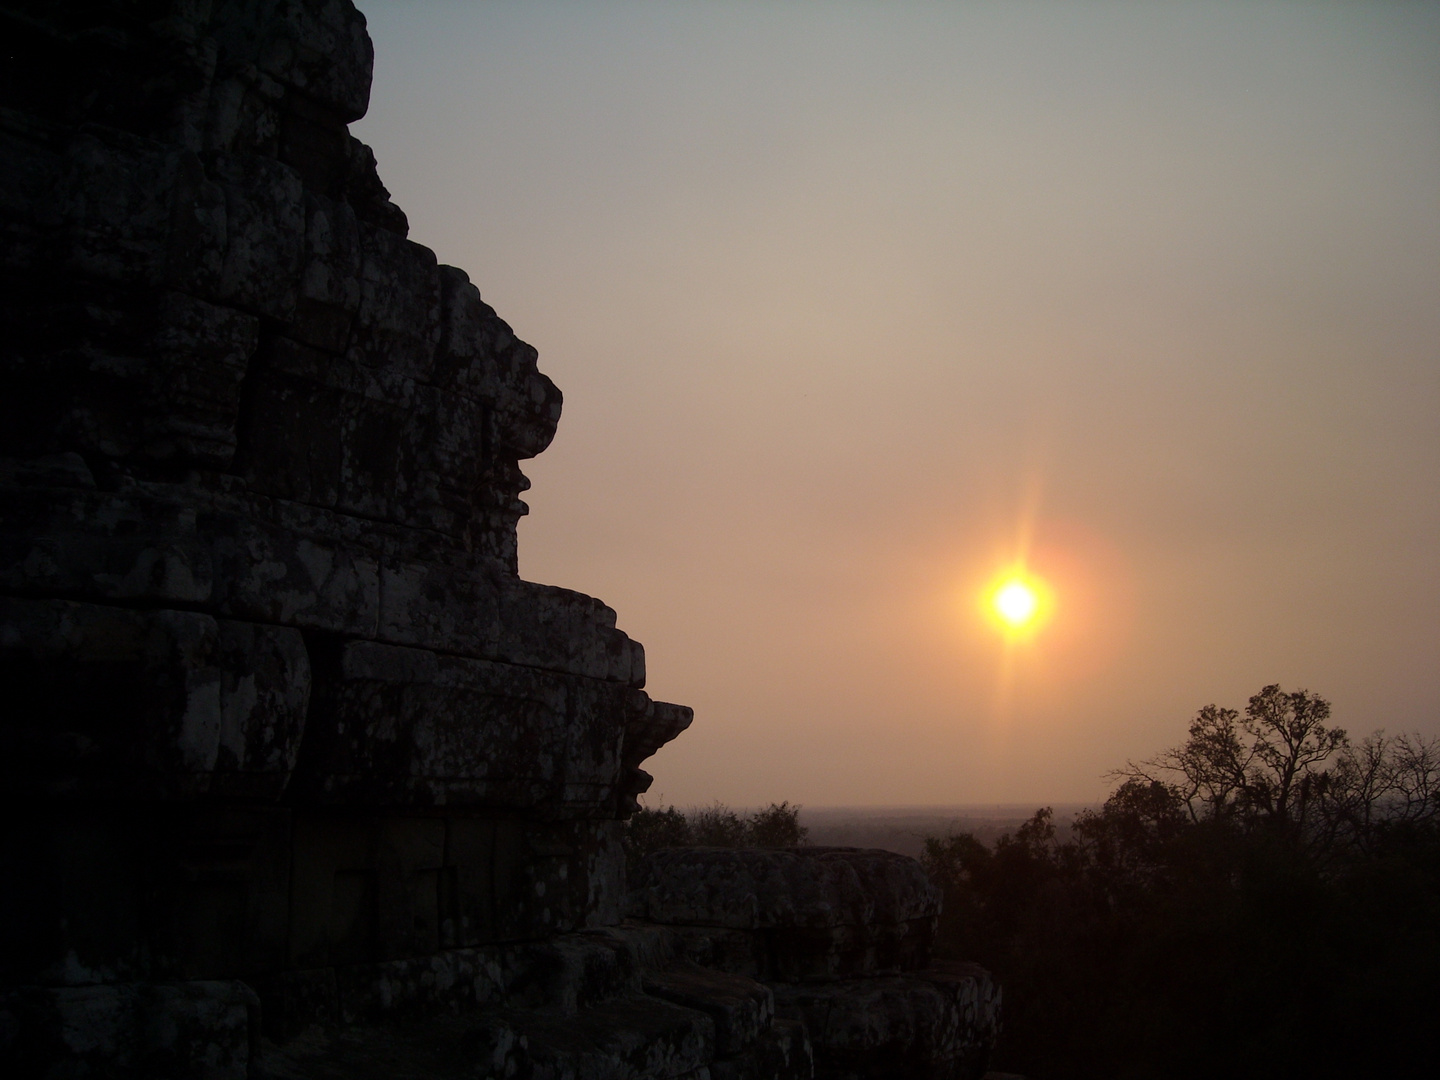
(301,779)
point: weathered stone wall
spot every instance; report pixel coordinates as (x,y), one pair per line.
(299,779)
(842,939)
(275,698)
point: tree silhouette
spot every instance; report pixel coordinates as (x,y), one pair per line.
(1260,901)
(1265,764)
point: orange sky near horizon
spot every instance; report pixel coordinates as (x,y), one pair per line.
(857,305)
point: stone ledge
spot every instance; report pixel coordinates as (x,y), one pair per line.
(758,889)
(132,1029)
(929,1025)
(801,914)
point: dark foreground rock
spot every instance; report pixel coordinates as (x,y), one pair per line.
(300,779)
(843,938)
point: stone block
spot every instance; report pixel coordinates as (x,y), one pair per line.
(365,192)
(371,888)
(331,432)
(479,356)
(810,955)
(481,611)
(101,893)
(78,65)
(294,445)
(75,540)
(625,1039)
(781,1052)
(491,614)
(132,211)
(739,952)
(264,699)
(754,888)
(265,232)
(875,1028)
(398,323)
(555,877)
(320,48)
(243,113)
(334,894)
(397,725)
(900,1027)
(29,175)
(273,560)
(568,973)
(187,1029)
(477,847)
(564,974)
(295,565)
(415,890)
(109,700)
(442,1047)
(653,947)
(217,894)
(455,609)
(73,897)
(374,887)
(560,630)
(444,469)
(407,724)
(201,226)
(190,378)
(293,1001)
(136,212)
(114,700)
(651,725)
(472,338)
(451,982)
(974,995)
(741,1008)
(330,281)
(604,872)
(380,427)
(151,378)
(313,141)
(791,915)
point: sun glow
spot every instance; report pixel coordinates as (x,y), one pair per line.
(1018,602)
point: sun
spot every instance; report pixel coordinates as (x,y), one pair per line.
(1018,602)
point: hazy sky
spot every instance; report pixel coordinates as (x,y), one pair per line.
(853,304)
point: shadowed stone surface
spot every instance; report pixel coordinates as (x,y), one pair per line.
(300,778)
(934,1023)
(842,936)
(790,915)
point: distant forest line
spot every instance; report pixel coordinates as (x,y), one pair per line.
(1262,900)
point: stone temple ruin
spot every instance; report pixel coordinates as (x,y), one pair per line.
(301,779)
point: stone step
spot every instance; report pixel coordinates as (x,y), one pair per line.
(697,1024)
(609,1004)
(185,1029)
(936,1024)
(637,1037)
(800,914)
(563,975)
(742,1009)
(750,1041)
